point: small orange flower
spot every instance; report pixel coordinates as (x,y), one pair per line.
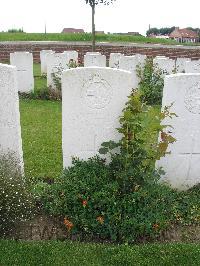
(155,226)
(68,224)
(84,203)
(100,219)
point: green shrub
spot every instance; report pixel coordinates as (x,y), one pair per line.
(120,200)
(42,94)
(151,82)
(16,202)
(134,164)
(93,205)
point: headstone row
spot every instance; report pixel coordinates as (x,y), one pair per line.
(92,101)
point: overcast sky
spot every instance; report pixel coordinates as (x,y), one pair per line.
(122,16)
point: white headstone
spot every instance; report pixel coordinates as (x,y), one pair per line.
(92,101)
(24,63)
(192,66)
(165,64)
(182,165)
(114,60)
(56,63)
(43,62)
(72,55)
(181,64)
(141,58)
(130,63)
(10,130)
(94,59)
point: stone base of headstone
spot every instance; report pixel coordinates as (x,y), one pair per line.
(42,227)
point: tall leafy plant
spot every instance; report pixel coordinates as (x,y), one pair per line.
(151,82)
(133,157)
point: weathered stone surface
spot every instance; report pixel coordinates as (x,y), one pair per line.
(10,130)
(24,63)
(41,227)
(56,63)
(72,55)
(141,58)
(181,166)
(130,63)
(181,64)
(94,59)
(43,61)
(92,101)
(114,60)
(192,66)
(165,64)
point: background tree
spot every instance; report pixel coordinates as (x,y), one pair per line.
(161,31)
(93,3)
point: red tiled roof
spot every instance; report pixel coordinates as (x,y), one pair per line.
(183,33)
(72,30)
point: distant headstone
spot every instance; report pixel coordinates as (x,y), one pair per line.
(141,59)
(165,64)
(181,166)
(192,66)
(43,62)
(56,63)
(24,63)
(10,130)
(181,64)
(94,59)
(114,60)
(130,63)
(92,101)
(72,55)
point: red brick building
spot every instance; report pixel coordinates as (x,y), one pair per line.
(72,30)
(184,35)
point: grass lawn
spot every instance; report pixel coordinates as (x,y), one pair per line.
(41,133)
(41,136)
(4,36)
(71,253)
(40,81)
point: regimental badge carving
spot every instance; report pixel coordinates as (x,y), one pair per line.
(192,99)
(97,92)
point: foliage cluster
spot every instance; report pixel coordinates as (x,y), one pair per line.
(151,82)
(16,30)
(43,93)
(161,31)
(16,202)
(56,76)
(93,205)
(118,198)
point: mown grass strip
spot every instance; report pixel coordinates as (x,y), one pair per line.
(72,253)
(4,36)
(41,137)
